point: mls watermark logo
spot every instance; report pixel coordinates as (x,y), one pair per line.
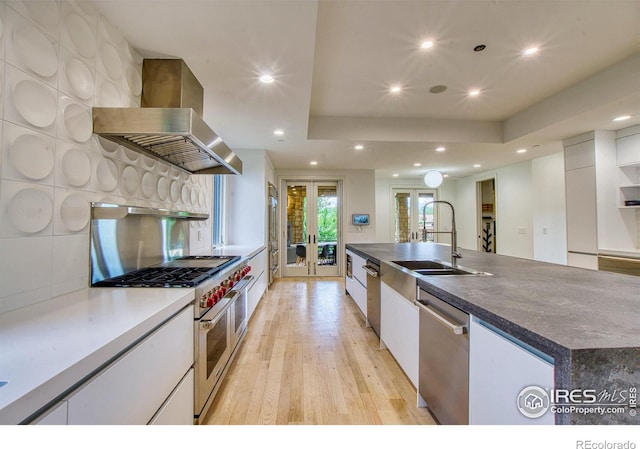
(533,402)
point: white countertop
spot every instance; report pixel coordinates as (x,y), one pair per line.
(248,251)
(49,347)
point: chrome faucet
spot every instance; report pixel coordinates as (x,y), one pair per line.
(455,255)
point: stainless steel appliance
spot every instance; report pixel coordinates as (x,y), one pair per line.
(169,126)
(274,251)
(126,239)
(372,269)
(443,380)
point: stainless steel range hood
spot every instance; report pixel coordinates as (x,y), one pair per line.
(169,124)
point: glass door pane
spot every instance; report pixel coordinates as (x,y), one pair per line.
(297,234)
(402,214)
(326,236)
(426,219)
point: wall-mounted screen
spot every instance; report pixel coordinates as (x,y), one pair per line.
(360,219)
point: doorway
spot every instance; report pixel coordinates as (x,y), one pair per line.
(486,207)
(311,236)
(410,216)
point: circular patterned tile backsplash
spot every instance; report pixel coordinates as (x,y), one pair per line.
(81,35)
(111,61)
(36,50)
(76,167)
(35,103)
(75,212)
(77,122)
(80,78)
(30,210)
(32,156)
(107,175)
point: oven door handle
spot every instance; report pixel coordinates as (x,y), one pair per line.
(221,306)
(244,283)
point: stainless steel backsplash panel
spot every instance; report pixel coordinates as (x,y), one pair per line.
(119,246)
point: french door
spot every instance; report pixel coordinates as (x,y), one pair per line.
(410,216)
(311,237)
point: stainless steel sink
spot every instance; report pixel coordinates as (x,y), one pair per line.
(443,272)
(414,265)
(437,268)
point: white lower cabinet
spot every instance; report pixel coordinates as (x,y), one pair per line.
(178,409)
(258,270)
(56,416)
(358,293)
(399,330)
(135,386)
(500,368)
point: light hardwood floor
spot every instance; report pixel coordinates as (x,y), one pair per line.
(308,358)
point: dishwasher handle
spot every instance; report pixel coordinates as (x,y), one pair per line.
(370,271)
(455,328)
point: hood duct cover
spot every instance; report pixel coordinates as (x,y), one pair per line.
(168,126)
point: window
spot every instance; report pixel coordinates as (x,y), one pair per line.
(217,210)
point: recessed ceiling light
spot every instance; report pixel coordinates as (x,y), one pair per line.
(395,89)
(622,118)
(313,163)
(474,92)
(530,51)
(445,175)
(266,79)
(278,132)
(395,175)
(358,147)
(477,165)
(521,150)
(441,149)
(426,44)
(417,164)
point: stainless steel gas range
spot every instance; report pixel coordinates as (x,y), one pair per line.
(220,282)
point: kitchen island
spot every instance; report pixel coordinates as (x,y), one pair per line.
(587,321)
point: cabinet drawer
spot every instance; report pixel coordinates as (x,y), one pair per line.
(178,410)
(133,387)
(357,264)
(358,293)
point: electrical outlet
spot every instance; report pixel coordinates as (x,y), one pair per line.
(522,230)
(199,235)
(545,230)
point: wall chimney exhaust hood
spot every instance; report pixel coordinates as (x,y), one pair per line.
(169,126)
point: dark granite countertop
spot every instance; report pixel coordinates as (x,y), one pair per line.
(588,321)
(572,307)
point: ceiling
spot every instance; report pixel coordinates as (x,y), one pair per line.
(334,61)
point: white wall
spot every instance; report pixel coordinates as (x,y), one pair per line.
(513,210)
(44,213)
(359,197)
(549,209)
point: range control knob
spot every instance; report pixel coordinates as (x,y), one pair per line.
(211,301)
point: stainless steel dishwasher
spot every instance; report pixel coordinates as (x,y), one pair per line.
(373,295)
(443,373)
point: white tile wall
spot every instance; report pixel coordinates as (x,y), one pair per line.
(58,58)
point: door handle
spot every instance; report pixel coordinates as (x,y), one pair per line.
(455,328)
(370,271)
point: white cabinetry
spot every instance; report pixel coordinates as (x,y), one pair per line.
(399,329)
(56,416)
(132,388)
(500,367)
(258,265)
(356,285)
(628,160)
(580,184)
(178,409)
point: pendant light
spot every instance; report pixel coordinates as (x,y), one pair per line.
(433,179)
